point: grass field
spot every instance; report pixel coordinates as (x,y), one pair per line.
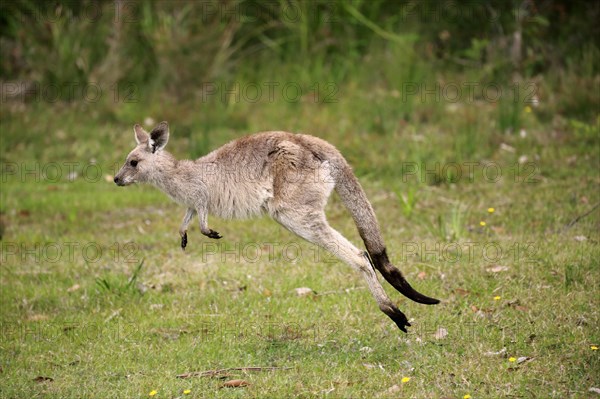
(485,180)
(98,300)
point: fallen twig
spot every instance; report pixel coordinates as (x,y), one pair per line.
(343,291)
(225,372)
(578,218)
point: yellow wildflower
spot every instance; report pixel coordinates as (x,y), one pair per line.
(467,396)
(528,109)
(152,392)
(497,298)
(512,359)
(491,210)
(594,347)
(404,380)
(187,391)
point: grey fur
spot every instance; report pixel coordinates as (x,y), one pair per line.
(287,176)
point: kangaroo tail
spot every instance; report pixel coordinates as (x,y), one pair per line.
(355,199)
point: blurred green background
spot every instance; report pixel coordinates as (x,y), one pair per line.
(157,53)
(219,68)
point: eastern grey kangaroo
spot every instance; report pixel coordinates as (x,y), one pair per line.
(289,177)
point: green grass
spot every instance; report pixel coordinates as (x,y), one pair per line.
(79,307)
(97,295)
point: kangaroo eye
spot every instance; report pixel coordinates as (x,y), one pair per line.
(133,163)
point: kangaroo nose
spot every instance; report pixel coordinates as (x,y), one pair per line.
(116,180)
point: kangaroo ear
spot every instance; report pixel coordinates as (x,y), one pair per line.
(159,137)
(140,134)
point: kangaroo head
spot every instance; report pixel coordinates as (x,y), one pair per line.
(145,159)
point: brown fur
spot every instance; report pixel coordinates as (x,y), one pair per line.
(287,176)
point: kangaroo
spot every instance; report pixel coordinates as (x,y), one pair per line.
(287,176)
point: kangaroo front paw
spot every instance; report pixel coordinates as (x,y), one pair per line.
(213,234)
(183,240)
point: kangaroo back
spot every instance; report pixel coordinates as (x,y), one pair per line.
(355,199)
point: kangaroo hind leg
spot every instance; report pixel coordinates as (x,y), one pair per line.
(315,229)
